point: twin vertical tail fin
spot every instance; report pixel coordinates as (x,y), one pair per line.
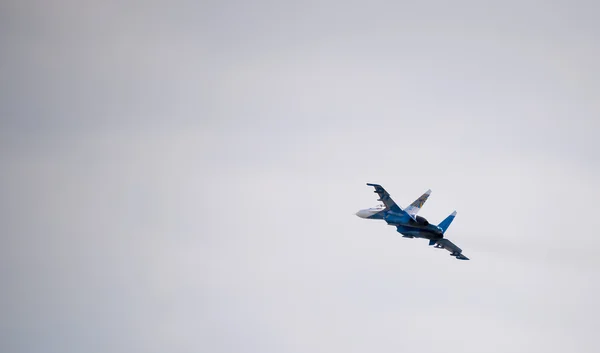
(446,222)
(414,207)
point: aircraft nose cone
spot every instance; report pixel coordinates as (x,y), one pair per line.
(362,214)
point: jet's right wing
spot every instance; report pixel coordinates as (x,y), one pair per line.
(454,250)
(384,197)
(414,207)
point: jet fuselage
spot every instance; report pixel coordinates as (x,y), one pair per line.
(406,226)
(409,224)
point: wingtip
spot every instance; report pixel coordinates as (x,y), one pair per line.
(453,213)
(428,192)
(460,256)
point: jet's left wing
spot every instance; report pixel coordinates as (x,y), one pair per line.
(448,245)
(414,207)
(384,197)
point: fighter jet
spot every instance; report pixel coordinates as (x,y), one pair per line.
(409,224)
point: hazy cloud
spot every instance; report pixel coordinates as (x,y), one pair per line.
(183,176)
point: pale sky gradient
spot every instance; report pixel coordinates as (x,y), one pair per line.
(182,176)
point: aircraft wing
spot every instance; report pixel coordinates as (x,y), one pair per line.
(454,250)
(414,207)
(384,197)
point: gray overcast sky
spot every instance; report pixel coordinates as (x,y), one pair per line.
(182,176)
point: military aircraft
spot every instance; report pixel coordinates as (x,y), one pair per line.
(409,224)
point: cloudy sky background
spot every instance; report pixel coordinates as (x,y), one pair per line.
(182,176)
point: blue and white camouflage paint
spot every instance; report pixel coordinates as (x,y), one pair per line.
(409,224)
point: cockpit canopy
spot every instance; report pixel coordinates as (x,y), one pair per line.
(422,220)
